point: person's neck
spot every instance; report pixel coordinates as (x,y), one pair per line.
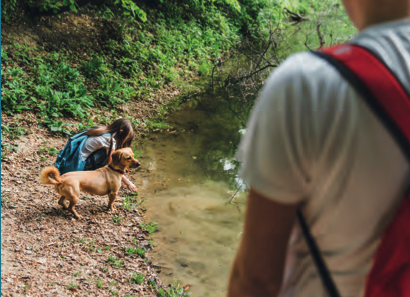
(384,12)
(380,21)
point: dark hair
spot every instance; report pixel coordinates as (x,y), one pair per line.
(121,130)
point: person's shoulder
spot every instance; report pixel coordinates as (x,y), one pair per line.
(303,66)
(100,138)
(302,76)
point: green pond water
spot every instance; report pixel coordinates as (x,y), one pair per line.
(193,175)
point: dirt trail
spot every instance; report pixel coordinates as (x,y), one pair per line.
(46,252)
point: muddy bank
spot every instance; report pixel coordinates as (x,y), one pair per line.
(46,252)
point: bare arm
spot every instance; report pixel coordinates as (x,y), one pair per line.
(129,184)
(258,267)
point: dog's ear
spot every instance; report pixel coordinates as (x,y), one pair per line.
(116,157)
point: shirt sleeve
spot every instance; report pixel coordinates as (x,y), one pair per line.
(289,128)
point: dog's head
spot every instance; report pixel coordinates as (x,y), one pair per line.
(124,158)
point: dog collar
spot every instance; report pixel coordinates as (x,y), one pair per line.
(120,171)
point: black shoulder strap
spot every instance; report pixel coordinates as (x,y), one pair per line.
(327,280)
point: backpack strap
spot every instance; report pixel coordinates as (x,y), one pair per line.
(389,100)
(324,273)
(377,85)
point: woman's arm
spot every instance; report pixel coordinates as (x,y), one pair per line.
(129,184)
(258,267)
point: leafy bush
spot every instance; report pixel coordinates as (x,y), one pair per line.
(94,67)
(14,97)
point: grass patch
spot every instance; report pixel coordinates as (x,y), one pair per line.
(136,278)
(135,251)
(99,283)
(151,227)
(117,219)
(114,262)
(49,150)
(72,286)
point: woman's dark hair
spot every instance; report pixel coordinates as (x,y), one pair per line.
(121,130)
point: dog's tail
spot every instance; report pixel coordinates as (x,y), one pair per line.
(50,176)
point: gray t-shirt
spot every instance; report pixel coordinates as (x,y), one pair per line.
(94,143)
(311,138)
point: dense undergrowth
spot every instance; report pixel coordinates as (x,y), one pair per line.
(178,41)
(166,49)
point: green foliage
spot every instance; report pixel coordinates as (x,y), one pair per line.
(114,262)
(112,91)
(175,290)
(135,251)
(161,43)
(15,97)
(8,8)
(151,227)
(14,132)
(46,5)
(71,286)
(136,278)
(99,283)
(49,150)
(163,51)
(116,219)
(131,8)
(155,126)
(126,9)
(94,67)
(57,126)
(130,202)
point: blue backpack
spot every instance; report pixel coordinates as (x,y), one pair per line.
(68,158)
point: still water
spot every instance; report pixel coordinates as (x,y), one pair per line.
(193,175)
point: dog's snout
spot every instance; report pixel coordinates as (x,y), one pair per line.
(135,164)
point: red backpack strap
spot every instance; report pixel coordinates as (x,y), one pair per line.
(377,85)
(389,100)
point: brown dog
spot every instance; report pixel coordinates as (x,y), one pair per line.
(103,181)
